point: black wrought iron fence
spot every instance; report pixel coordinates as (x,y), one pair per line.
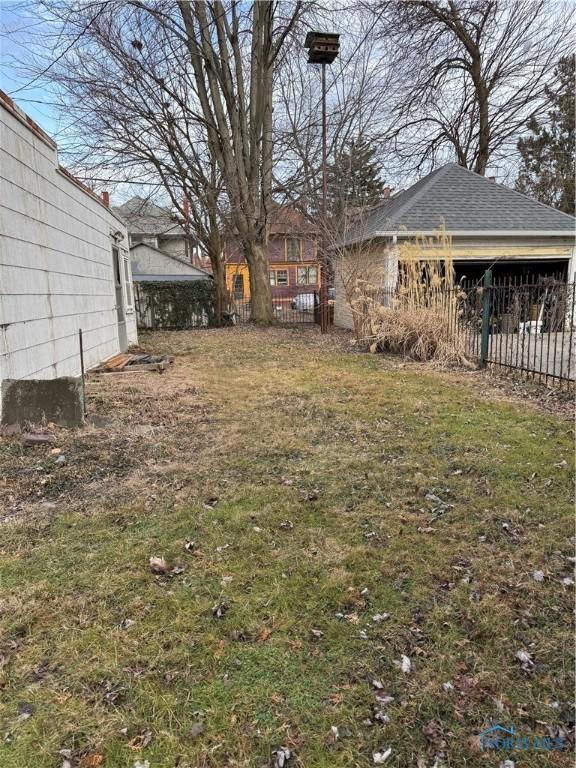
(518,325)
(514,324)
(529,327)
(292,307)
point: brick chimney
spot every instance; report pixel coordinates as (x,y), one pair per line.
(387,192)
(106,199)
(492,178)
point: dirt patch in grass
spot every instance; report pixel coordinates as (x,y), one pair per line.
(324,517)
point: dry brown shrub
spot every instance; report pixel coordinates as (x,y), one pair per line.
(420,317)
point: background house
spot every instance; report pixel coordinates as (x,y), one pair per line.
(152,264)
(292,257)
(164,232)
(162,255)
(490,226)
(64,266)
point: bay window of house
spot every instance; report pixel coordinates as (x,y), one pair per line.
(293,249)
(307,275)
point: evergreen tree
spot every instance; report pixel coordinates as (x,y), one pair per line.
(548,155)
(354,179)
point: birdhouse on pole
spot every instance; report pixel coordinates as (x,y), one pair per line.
(323,47)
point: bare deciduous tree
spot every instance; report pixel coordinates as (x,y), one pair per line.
(236,104)
(120,78)
(357,95)
(470,73)
(183,90)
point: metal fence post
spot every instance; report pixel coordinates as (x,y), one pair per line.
(486,301)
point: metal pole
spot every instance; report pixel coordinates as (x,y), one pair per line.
(81,342)
(324,261)
(486,300)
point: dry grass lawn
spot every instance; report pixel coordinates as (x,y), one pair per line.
(362,541)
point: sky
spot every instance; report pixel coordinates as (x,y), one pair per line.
(17,20)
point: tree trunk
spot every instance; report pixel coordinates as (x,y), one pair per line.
(256,255)
(220,292)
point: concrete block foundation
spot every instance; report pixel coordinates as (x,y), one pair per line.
(43,400)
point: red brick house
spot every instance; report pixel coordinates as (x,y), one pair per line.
(292,257)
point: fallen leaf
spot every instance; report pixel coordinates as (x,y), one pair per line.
(141,741)
(219,610)
(281,757)
(380,758)
(406,665)
(435,734)
(538,575)
(92,760)
(158,565)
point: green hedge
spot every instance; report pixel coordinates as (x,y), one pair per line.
(175,306)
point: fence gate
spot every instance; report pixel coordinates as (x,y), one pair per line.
(289,309)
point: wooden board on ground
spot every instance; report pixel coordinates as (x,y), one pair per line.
(129,363)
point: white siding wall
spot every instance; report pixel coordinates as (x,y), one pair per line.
(149,261)
(56,269)
(175,246)
(376,263)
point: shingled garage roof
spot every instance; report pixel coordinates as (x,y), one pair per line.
(145,218)
(464,202)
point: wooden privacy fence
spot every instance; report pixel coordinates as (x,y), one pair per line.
(178,305)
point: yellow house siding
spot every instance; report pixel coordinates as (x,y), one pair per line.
(237,269)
